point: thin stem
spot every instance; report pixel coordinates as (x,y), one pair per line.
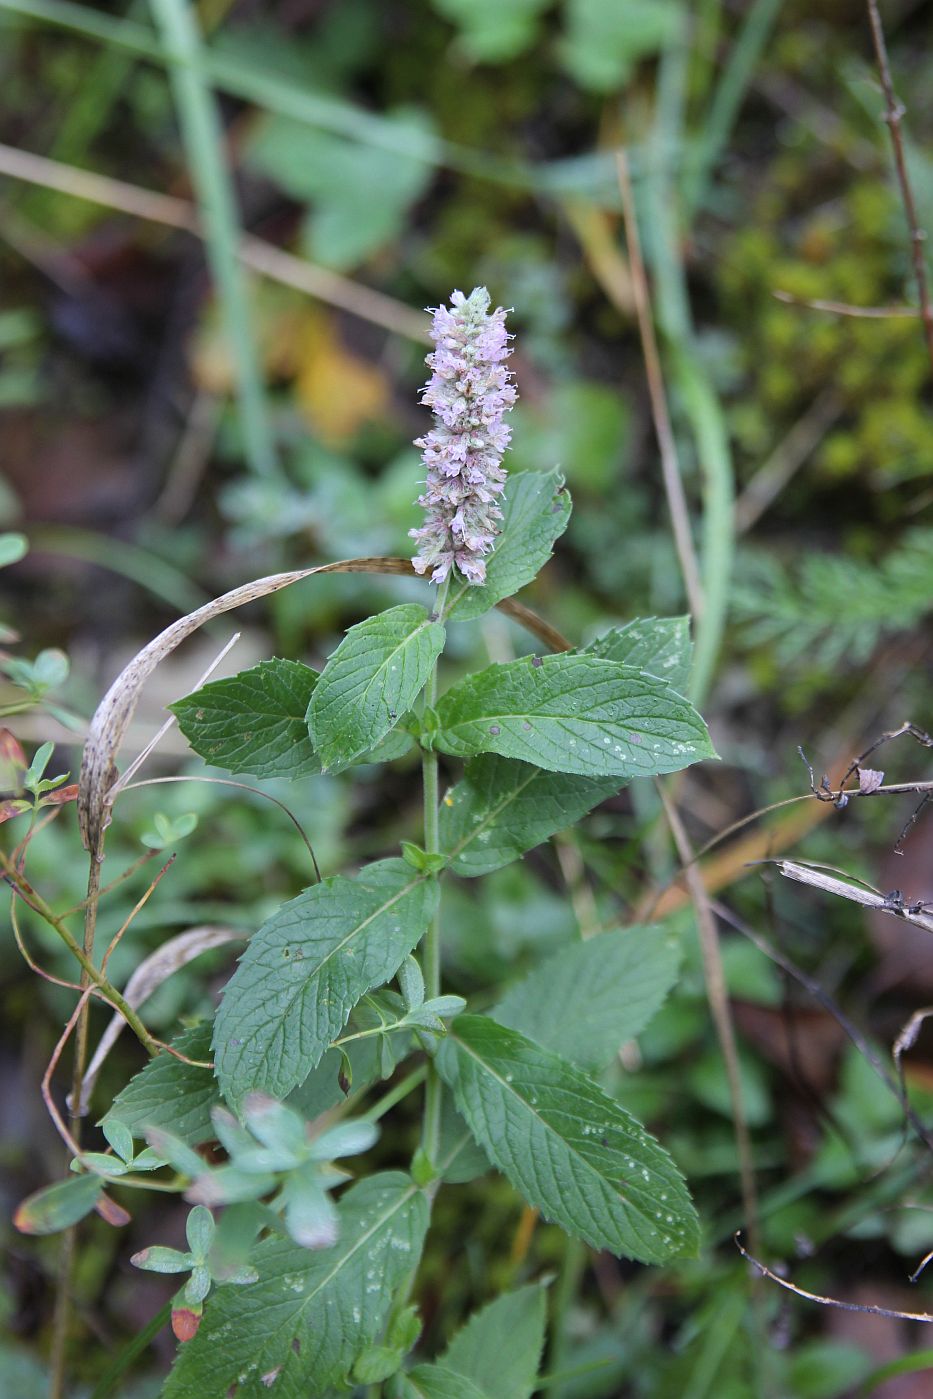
(396,1094)
(670,463)
(109,993)
(565,1291)
(894,113)
(108,1382)
(431,956)
(66,1274)
(203,140)
(718,996)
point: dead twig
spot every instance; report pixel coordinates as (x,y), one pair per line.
(894,114)
(845,308)
(670,465)
(787,459)
(827,1301)
(272,262)
(718,996)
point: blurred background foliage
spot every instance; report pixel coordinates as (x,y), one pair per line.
(178,420)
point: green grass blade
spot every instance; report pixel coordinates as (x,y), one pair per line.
(689,380)
(717,124)
(203,140)
(718,530)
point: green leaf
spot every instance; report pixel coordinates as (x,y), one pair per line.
(587,1000)
(572,713)
(120,1138)
(411,983)
(535,512)
(253,722)
(659,645)
(377,1364)
(169,1093)
(566,1146)
(501,808)
(459,1158)
(494,30)
(359,195)
(604,42)
(13,547)
(177,1153)
(499,1348)
(438,1382)
(57,1206)
(321,1089)
(311,1314)
(373,677)
(162,1260)
(306,968)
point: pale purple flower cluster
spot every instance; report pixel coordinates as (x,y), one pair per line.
(469,391)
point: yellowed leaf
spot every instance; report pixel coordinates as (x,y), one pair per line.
(337,391)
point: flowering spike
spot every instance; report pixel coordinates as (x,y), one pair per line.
(469,392)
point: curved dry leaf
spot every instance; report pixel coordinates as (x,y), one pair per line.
(146,979)
(113,714)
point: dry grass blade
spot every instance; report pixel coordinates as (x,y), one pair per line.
(919,914)
(265,258)
(828,1301)
(146,979)
(720,1009)
(845,308)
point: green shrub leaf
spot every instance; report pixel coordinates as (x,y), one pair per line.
(501,808)
(373,677)
(572,713)
(306,968)
(659,645)
(438,1382)
(567,1147)
(301,1327)
(588,999)
(499,1348)
(253,722)
(535,512)
(171,1094)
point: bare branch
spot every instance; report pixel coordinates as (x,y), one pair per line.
(894,114)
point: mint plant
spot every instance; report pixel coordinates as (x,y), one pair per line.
(337,1011)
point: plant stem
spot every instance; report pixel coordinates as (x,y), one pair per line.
(108,1382)
(68,1260)
(38,905)
(431,957)
(565,1292)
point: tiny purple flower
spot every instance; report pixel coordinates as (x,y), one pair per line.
(469,392)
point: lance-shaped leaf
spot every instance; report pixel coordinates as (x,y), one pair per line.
(499,1349)
(588,999)
(566,1146)
(170,1093)
(299,1329)
(535,510)
(501,808)
(254,722)
(373,677)
(659,645)
(306,968)
(572,713)
(438,1382)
